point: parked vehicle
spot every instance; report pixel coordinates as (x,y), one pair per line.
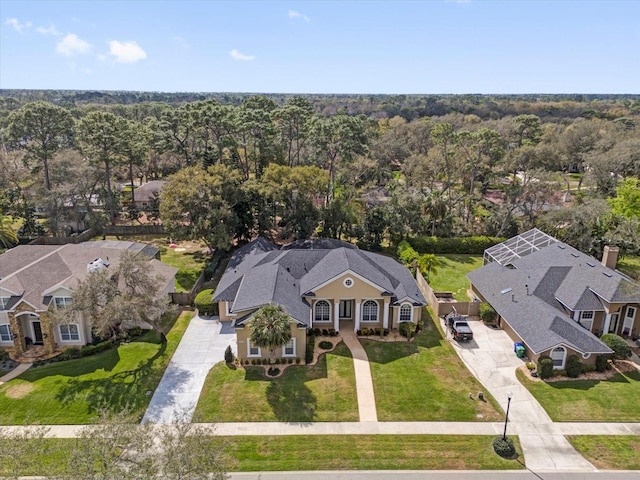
(459,327)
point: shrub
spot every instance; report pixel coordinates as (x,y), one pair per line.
(332,332)
(289,361)
(574,366)
(545,366)
(588,368)
(273,371)
(407,329)
(365,331)
(228,355)
(135,332)
(504,447)
(602,363)
(474,245)
(277,361)
(378,331)
(246,362)
(325,332)
(265,361)
(621,349)
(311,343)
(316,332)
(386,332)
(325,345)
(70,353)
(253,361)
(487,313)
(531,366)
(203,302)
(297,361)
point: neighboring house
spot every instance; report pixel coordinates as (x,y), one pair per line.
(37,278)
(321,284)
(144,194)
(555,299)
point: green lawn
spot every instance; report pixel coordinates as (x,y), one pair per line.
(189,264)
(450,276)
(613,400)
(425,380)
(609,452)
(72,392)
(324,392)
(630,265)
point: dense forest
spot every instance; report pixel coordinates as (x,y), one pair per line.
(363,167)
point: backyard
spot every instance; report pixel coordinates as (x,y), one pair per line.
(324,392)
(424,380)
(613,400)
(450,276)
(74,391)
(630,266)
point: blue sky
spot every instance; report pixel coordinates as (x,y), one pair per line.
(435,46)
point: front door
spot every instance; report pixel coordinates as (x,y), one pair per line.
(37,332)
(628,321)
(613,326)
(346,309)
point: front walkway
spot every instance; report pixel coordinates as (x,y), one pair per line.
(16,372)
(364,383)
(201,347)
(491,359)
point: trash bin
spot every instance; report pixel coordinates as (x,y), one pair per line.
(518,348)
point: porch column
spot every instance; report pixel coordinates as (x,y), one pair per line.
(607,323)
(385,314)
(357,322)
(47,333)
(336,315)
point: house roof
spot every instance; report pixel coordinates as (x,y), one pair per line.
(145,192)
(537,292)
(259,273)
(33,271)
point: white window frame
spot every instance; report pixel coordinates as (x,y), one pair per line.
(253,355)
(315,316)
(400,320)
(348,282)
(377,310)
(559,366)
(66,301)
(6,336)
(291,344)
(4,301)
(586,319)
(69,334)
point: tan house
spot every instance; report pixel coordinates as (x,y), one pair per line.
(556,300)
(326,284)
(35,279)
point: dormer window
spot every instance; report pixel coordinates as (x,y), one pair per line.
(63,302)
(4,302)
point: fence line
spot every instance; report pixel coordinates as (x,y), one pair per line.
(81,237)
(443,303)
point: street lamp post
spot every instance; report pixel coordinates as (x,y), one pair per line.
(506,418)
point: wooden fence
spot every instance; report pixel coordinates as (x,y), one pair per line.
(81,237)
(443,303)
(129,230)
(186,298)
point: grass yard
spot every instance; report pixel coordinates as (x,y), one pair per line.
(630,265)
(450,276)
(425,380)
(324,392)
(613,400)
(71,392)
(190,265)
(609,452)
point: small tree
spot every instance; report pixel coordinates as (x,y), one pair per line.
(621,349)
(545,366)
(574,366)
(487,313)
(228,355)
(270,327)
(429,263)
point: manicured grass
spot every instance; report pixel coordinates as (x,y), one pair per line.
(71,392)
(613,400)
(425,380)
(630,265)
(609,452)
(324,392)
(450,276)
(190,265)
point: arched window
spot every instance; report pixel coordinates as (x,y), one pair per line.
(370,311)
(322,311)
(557,355)
(406,312)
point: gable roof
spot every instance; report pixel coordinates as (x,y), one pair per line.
(537,292)
(144,192)
(259,273)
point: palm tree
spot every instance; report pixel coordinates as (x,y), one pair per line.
(8,236)
(428,262)
(270,327)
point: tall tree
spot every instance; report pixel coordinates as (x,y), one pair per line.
(292,122)
(8,235)
(270,327)
(627,200)
(41,129)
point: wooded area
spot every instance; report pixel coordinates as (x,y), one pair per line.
(363,167)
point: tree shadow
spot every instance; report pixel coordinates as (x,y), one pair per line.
(588,384)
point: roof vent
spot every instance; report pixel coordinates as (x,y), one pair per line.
(607,274)
(506,290)
(575,255)
(590,264)
(562,247)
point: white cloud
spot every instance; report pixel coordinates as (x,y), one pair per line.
(50,30)
(126,52)
(72,45)
(236,55)
(293,15)
(17,26)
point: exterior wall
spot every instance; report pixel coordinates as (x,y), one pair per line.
(300,334)
(222,310)
(598,323)
(360,290)
(569,351)
(4,320)
(394,317)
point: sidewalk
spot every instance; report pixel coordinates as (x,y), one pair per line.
(16,372)
(201,347)
(364,383)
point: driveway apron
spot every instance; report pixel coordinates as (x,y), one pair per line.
(364,383)
(490,357)
(202,346)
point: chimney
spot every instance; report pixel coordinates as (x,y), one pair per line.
(610,256)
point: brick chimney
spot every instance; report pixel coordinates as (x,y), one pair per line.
(610,256)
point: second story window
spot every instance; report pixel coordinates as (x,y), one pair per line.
(63,302)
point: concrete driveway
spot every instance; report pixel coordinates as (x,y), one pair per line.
(202,346)
(491,359)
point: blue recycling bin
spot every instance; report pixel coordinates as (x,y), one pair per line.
(518,348)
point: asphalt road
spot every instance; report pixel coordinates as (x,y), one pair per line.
(433,475)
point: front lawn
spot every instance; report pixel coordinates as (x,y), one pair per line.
(324,392)
(72,392)
(613,400)
(425,380)
(450,276)
(609,452)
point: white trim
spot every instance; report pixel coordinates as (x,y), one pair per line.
(10,334)
(228,312)
(347,272)
(10,292)
(405,304)
(4,301)
(58,286)
(313,309)
(249,354)
(69,332)
(284,354)
(564,357)
(348,280)
(65,299)
(364,302)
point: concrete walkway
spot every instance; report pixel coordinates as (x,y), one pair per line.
(202,346)
(16,372)
(364,383)
(491,359)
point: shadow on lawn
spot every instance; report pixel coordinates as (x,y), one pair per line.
(628,377)
(386,352)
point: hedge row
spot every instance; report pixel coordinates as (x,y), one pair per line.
(473,245)
(204,304)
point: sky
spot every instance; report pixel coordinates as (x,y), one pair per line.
(379,47)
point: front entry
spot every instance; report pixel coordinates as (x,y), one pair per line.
(613,326)
(37,332)
(345,310)
(627,326)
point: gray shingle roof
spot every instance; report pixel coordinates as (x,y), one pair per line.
(259,274)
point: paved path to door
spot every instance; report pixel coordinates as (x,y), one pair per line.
(491,359)
(202,346)
(364,383)
(16,372)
